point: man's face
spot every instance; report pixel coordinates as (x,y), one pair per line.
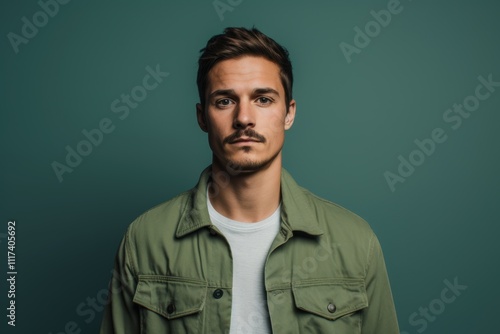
(246,113)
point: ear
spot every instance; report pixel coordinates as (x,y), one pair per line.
(200,115)
(290,116)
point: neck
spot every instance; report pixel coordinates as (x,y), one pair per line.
(246,196)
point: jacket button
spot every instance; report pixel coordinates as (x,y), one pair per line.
(331,307)
(218,294)
(171,308)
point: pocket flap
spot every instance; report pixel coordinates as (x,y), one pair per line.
(330,299)
(169,296)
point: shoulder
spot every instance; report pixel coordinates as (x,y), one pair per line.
(161,219)
(336,219)
(329,217)
(346,236)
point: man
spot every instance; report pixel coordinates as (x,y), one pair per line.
(247,250)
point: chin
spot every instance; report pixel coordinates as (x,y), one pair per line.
(244,162)
(247,165)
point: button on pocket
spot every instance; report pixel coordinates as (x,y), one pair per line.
(331,308)
(330,298)
(170,308)
(218,294)
(169,296)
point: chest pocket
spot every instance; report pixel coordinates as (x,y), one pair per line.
(170,304)
(330,305)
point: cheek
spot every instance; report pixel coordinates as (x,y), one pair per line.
(275,137)
(216,135)
(275,125)
(219,125)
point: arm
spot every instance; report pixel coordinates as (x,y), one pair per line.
(121,315)
(380,315)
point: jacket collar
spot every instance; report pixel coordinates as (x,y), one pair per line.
(297,209)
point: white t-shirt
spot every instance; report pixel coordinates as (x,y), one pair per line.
(250,243)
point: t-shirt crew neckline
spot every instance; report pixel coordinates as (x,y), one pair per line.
(242,226)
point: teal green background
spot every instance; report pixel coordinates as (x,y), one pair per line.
(353,121)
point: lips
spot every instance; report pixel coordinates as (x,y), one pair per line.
(244,140)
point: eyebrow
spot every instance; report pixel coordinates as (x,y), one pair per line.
(256,91)
(266,90)
(224,92)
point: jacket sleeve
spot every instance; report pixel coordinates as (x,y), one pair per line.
(380,315)
(121,315)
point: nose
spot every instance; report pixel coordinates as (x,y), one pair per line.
(243,116)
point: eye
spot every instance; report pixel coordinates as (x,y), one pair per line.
(223,102)
(264,100)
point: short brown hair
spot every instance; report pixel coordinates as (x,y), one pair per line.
(237,42)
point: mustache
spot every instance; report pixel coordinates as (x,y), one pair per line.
(250,133)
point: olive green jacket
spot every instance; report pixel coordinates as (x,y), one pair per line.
(324,273)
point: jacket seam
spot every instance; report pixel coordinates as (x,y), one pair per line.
(128,254)
(332,203)
(370,254)
(185,210)
(165,202)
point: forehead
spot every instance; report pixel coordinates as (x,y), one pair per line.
(247,72)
